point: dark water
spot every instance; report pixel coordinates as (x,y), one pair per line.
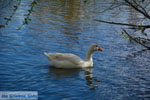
(120,72)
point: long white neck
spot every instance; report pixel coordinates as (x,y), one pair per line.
(89,55)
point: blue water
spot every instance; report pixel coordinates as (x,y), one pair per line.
(120,72)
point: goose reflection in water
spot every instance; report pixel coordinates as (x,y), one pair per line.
(60,73)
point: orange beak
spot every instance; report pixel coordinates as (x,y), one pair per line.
(100,49)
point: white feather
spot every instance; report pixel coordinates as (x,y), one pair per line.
(68,60)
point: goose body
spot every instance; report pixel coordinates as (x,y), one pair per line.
(68,60)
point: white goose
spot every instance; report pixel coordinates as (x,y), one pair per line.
(68,60)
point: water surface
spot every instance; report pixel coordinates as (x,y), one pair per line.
(120,72)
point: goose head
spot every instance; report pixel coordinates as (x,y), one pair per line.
(95,47)
(92,48)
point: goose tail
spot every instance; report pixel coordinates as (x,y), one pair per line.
(49,57)
(46,54)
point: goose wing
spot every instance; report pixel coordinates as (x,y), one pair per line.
(64,57)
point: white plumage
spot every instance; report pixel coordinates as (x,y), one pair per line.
(68,60)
